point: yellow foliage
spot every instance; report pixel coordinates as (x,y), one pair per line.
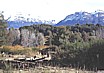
(62,27)
(19,50)
(12,48)
(42,47)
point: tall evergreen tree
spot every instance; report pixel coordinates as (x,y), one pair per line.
(3,26)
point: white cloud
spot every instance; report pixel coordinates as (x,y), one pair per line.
(50,9)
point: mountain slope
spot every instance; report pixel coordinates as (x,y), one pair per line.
(96,17)
(21,20)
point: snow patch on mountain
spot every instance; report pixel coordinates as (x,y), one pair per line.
(20,20)
(96,17)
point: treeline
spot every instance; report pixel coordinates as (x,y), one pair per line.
(3,30)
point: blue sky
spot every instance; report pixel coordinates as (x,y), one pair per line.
(49,9)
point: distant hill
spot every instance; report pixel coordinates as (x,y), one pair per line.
(96,17)
(22,20)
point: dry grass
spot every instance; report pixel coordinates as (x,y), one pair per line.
(17,49)
(47,70)
(13,48)
(62,27)
(42,47)
(28,51)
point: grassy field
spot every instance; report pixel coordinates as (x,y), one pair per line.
(46,70)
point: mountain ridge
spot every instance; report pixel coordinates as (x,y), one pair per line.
(21,20)
(96,17)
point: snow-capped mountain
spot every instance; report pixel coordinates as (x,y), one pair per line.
(96,17)
(20,20)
